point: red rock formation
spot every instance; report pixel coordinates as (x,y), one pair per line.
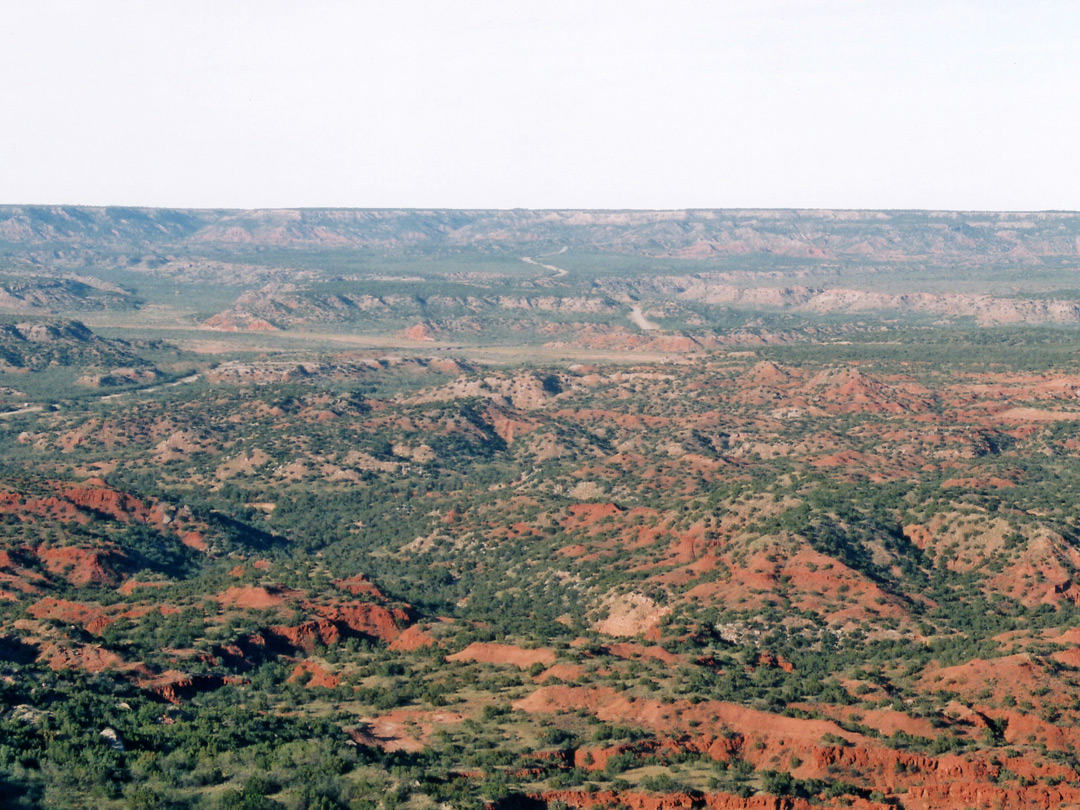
(80,566)
(359,584)
(95,494)
(308,635)
(176,686)
(366,619)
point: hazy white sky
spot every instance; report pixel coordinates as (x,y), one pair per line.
(498,103)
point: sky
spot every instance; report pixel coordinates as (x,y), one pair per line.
(502,104)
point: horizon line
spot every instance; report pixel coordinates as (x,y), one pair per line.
(557,209)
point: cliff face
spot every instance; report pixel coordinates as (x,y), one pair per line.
(688,234)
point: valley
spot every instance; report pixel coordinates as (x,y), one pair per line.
(539,509)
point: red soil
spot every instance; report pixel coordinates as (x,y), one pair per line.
(194,540)
(629,650)
(318,675)
(563,672)
(255,597)
(93,499)
(86,658)
(413,638)
(1014,674)
(79,502)
(485,653)
(848,390)
(404,729)
(586,514)
(885,721)
(978,483)
(814,581)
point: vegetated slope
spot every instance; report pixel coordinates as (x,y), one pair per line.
(37,345)
(46,360)
(839,574)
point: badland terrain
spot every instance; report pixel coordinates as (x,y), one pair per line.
(539,509)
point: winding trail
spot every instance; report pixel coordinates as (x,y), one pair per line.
(558,271)
(189,379)
(27,409)
(106,397)
(639,319)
